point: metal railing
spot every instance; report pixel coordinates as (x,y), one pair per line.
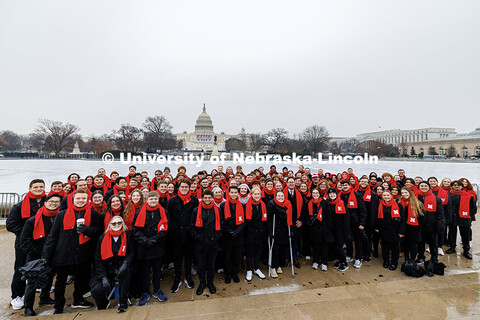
(476,188)
(7,201)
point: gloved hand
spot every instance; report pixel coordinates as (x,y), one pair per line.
(123,268)
(150,242)
(231,234)
(81,228)
(106,285)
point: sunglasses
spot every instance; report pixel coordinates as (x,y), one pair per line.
(116,223)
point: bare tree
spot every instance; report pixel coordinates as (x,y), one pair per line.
(451,151)
(10,141)
(349,146)
(234,144)
(158,134)
(276,139)
(98,145)
(316,138)
(54,135)
(128,138)
(255,142)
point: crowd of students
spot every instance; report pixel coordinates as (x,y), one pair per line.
(105,231)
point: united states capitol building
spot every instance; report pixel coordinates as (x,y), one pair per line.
(203,138)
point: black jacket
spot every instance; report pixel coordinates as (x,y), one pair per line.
(15,222)
(434,221)
(358,216)
(234,234)
(33,248)
(109,267)
(151,243)
(62,247)
(278,215)
(206,236)
(456,220)
(389,228)
(256,227)
(447,208)
(179,219)
(321,231)
(371,205)
(342,231)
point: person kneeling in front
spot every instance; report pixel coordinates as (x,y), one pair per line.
(113,257)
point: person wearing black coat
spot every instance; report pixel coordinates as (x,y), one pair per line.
(234,234)
(464,209)
(371,205)
(256,219)
(279,221)
(70,247)
(434,221)
(114,254)
(81,184)
(150,229)
(447,210)
(32,240)
(16,219)
(180,208)
(342,231)
(268,192)
(390,224)
(415,217)
(358,214)
(321,226)
(298,214)
(206,229)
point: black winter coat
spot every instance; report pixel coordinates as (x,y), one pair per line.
(321,231)
(179,219)
(342,232)
(278,215)
(389,228)
(434,221)
(146,250)
(456,220)
(206,236)
(371,207)
(358,216)
(256,227)
(15,222)
(33,248)
(234,234)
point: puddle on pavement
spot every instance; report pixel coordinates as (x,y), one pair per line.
(276,289)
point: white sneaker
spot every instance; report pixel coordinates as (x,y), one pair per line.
(171,265)
(220,270)
(193,271)
(38,290)
(259,274)
(17,303)
(440,252)
(52,289)
(315,266)
(324,267)
(273,273)
(279,270)
(428,249)
(308,258)
(70,279)
(357,264)
(249,275)
(88,294)
(349,259)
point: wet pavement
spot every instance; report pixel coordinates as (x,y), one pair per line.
(371,292)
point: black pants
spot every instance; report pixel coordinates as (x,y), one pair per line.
(340,252)
(29,298)
(278,254)
(306,242)
(82,275)
(432,239)
(320,253)
(156,266)
(206,256)
(411,250)
(358,239)
(464,234)
(254,252)
(101,297)
(136,282)
(18,286)
(183,251)
(394,247)
(233,258)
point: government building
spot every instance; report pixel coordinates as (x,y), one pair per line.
(203,138)
(396,137)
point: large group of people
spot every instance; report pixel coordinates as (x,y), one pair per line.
(108,232)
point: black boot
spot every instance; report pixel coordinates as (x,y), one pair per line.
(467,255)
(450,250)
(29,312)
(200,289)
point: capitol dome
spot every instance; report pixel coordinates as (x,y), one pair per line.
(204,122)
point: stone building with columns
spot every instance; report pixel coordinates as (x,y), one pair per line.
(203,137)
(396,137)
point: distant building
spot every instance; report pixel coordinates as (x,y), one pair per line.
(203,138)
(464,145)
(396,137)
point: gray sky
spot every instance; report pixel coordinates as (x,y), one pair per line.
(353,66)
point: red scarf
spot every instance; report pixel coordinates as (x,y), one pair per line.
(38,228)
(286,203)
(339,206)
(239,214)
(26,203)
(109,215)
(69,220)
(311,203)
(185,198)
(72,184)
(218,200)
(249,209)
(103,187)
(142,216)
(117,188)
(163,195)
(395,211)
(131,214)
(430,201)
(446,188)
(352,199)
(442,194)
(411,219)
(266,192)
(106,246)
(106,181)
(464,208)
(298,200)
(367,193)
(61,193)
(199,220)
(99,208)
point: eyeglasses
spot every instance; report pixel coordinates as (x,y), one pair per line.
(53,202)
(119,223)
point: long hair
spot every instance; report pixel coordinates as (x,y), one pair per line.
(124,226)
(417,205)
(469,185)
(109,203)
(126,211)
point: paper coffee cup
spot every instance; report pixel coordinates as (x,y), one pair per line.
(80,222)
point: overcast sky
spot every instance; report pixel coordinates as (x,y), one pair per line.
(353,66)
